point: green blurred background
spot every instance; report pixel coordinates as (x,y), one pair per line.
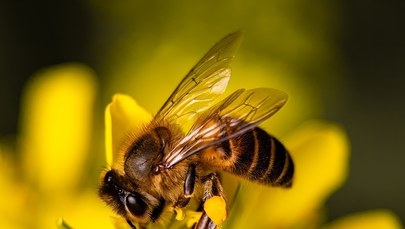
(344,60)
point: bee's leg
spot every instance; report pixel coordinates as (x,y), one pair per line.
(131,224)
(189,183)
(212,187)
(205,222)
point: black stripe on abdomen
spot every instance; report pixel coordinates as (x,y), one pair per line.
(279,158)
(263,145)
(287,175)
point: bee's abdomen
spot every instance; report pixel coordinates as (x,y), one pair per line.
(259,157)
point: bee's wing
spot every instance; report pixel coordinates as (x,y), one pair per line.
(238,113)
(208,78)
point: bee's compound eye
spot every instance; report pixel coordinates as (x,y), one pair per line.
(135,204)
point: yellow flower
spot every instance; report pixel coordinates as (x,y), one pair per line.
(49,180)
(47,187)
(320,151)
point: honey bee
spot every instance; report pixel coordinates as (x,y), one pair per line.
(165,167)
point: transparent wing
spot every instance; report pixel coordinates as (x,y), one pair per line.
(208,78)
(236,114)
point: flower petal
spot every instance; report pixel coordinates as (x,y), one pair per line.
(61,224)
(122,116)
(56,122)
(85,210)
(179,214)
(192,217)
(13,196)
(376,219)
(320,154)
(119,223)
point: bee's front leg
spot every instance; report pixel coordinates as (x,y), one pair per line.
(212,187)
(189,184)
(131,224)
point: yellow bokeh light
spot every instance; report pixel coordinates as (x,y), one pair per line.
(374,219)
(57,114)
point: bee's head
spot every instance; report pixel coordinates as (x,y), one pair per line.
(128,200)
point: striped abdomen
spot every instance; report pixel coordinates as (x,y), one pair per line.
(256,156)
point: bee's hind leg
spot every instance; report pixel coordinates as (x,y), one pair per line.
(212,187)
(205,222)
